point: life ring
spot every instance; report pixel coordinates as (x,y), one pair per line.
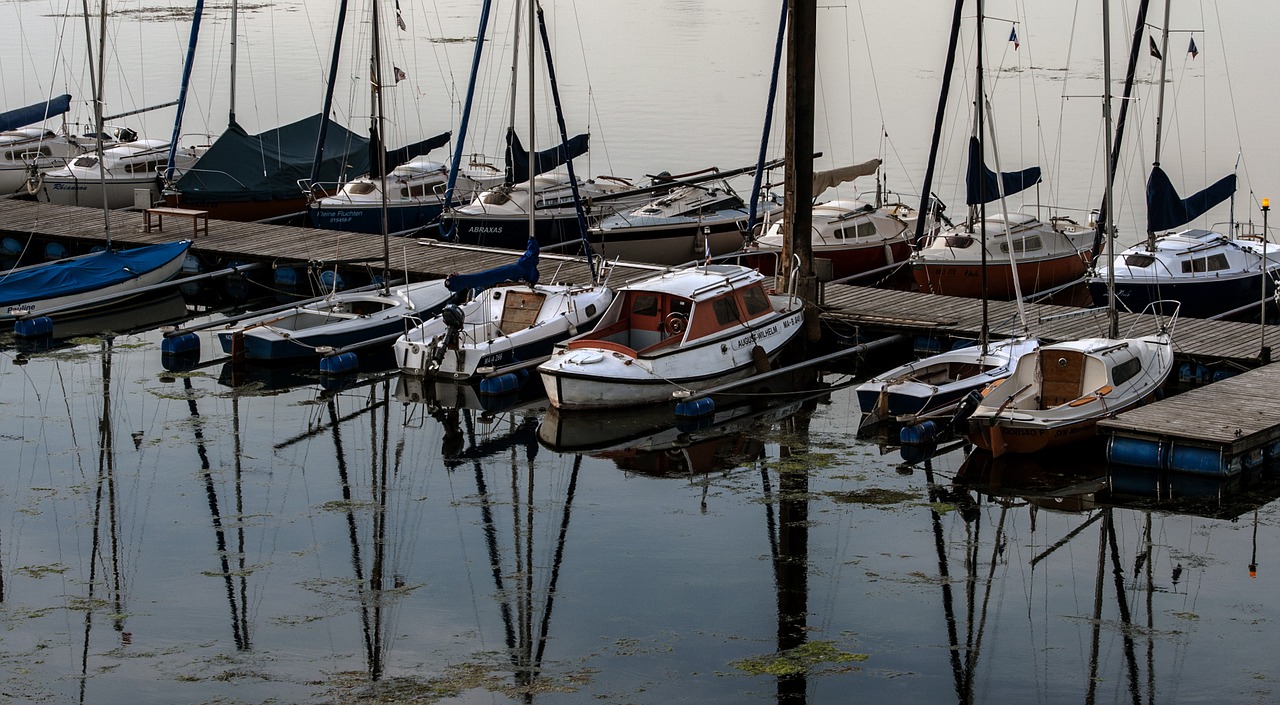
(676,323)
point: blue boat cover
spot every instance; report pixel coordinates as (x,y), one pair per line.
(21,117)
(525,268)
(982,185)
(1165,210)
(547,159)
(85,274)
(265,167)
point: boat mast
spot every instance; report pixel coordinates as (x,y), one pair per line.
(99,88)
(1164,59)
(1113,321)
(380,153)
(533,152)
(182,90)
(925,201)
(984,335)
(328,98)
(465,120)
(235,15)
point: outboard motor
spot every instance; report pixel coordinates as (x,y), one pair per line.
(965,408)
(453,318)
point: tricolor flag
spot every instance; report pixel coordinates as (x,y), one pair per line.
(1155,50)
(1013,36)
(399,18)
(1191,48)
(400,75)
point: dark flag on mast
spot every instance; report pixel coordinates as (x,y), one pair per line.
(1155,50)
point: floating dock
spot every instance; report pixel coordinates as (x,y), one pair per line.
(1220,429)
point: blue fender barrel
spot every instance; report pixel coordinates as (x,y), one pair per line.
(182,344)
(38,327)
(696,407)
(922,432)
(502,384)
(341,363)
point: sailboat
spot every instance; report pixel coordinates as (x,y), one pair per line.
(250,177)
(1045,255)
(340,319)
(512,324)
(27,146)
(1207,273)
(856,236)
(1057,394)
(939,382)
(98,278)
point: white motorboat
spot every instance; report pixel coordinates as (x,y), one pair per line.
(681,331)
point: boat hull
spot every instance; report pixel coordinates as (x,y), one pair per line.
(1200,298)
(368,219)
(587,378)
(965,278)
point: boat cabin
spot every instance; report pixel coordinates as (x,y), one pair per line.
(647,320)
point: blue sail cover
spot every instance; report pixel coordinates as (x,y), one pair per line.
(525,268)
(21,117)
(1165,210)
(982,185)
(86,274)
(548,159)
(264,167)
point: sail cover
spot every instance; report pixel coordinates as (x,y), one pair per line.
(1165,210)
(548,159)
(396,157)
(21,117)
(267,166)
(525,268)
(984,185)
(823,180)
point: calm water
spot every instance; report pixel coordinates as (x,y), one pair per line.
(261,536)
(169,537)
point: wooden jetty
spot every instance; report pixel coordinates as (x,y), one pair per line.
(1196,341)
(1220,429)
(224,241)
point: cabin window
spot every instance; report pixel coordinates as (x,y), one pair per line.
(494,198)
(143,168)
(419,190)
(861,230)
(85,162)
(644,305)
(958,241)
(1125,371)
(1139,261)
(20,154)
(756,300)
(1212,263)
(726,310)
(1026,244)
(591,310)
(361,188)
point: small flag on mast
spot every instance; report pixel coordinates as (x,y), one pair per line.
(1155,50)
(1013,36)
(400,75)
(1192,50)
(399,17)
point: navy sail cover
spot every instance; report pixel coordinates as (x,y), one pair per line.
(525,268)
(984,185)
(546,160)
(1165,210)
(31,114)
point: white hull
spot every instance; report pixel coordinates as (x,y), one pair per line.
(588,379)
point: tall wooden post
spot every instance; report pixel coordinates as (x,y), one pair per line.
(798,193)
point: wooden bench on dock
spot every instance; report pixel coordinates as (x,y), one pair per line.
(160,213)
